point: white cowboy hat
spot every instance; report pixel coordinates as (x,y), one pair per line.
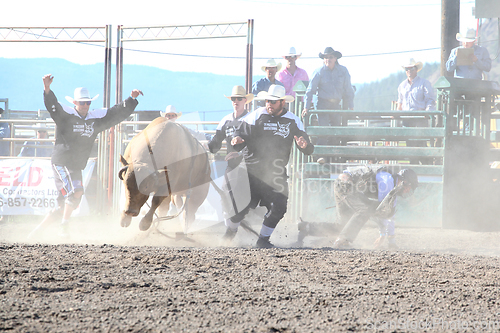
(271,63)
(470,36)
(292,53)
(413,63)
(275,93)
(81,95)
(239,91)
(170,109)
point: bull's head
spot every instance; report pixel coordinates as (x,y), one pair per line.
(135,195)
(139,176)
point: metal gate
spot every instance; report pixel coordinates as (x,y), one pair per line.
(164,33)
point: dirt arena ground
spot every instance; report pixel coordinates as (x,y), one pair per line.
(108,279)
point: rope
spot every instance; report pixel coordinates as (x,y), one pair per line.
(194,144)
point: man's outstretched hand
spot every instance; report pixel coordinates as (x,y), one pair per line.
(135,93)
(47,81)
(301,142)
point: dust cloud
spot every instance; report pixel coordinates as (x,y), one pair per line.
(99,230)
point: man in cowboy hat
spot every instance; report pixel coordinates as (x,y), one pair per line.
(171,114)
(292,74)
(332,84)
(76,130)
(239,98)
(37,148)
(235,180)
(414,94)
(478,61)
(266,137)
(271,68)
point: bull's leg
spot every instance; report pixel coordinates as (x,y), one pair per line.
(164,206)
(125,220)
(146,221)
(178,201)
(194,201)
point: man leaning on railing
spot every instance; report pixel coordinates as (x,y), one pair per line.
(38,148)
(416,93)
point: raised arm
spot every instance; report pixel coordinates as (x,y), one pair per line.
(135,93)
(47,81)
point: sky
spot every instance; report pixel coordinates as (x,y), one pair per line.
(375,37)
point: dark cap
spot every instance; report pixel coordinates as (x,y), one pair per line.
(409,176)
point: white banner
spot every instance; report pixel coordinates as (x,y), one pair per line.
(27,187)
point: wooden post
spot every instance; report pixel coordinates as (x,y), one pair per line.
(450,22)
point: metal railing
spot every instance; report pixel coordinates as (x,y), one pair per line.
(25,125)
(22,130)
(364,137)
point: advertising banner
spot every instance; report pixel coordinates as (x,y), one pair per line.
(27,187)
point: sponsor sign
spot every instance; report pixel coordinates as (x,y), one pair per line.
(27,187)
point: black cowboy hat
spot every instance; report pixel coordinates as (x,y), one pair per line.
(330,51)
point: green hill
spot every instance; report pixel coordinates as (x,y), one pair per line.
(204,93)
(378,95)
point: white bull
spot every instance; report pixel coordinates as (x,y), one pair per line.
(166,160)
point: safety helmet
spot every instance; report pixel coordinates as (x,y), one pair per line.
(410,177)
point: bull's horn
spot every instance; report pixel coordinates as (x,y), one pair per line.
(122,170)
(123,160)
